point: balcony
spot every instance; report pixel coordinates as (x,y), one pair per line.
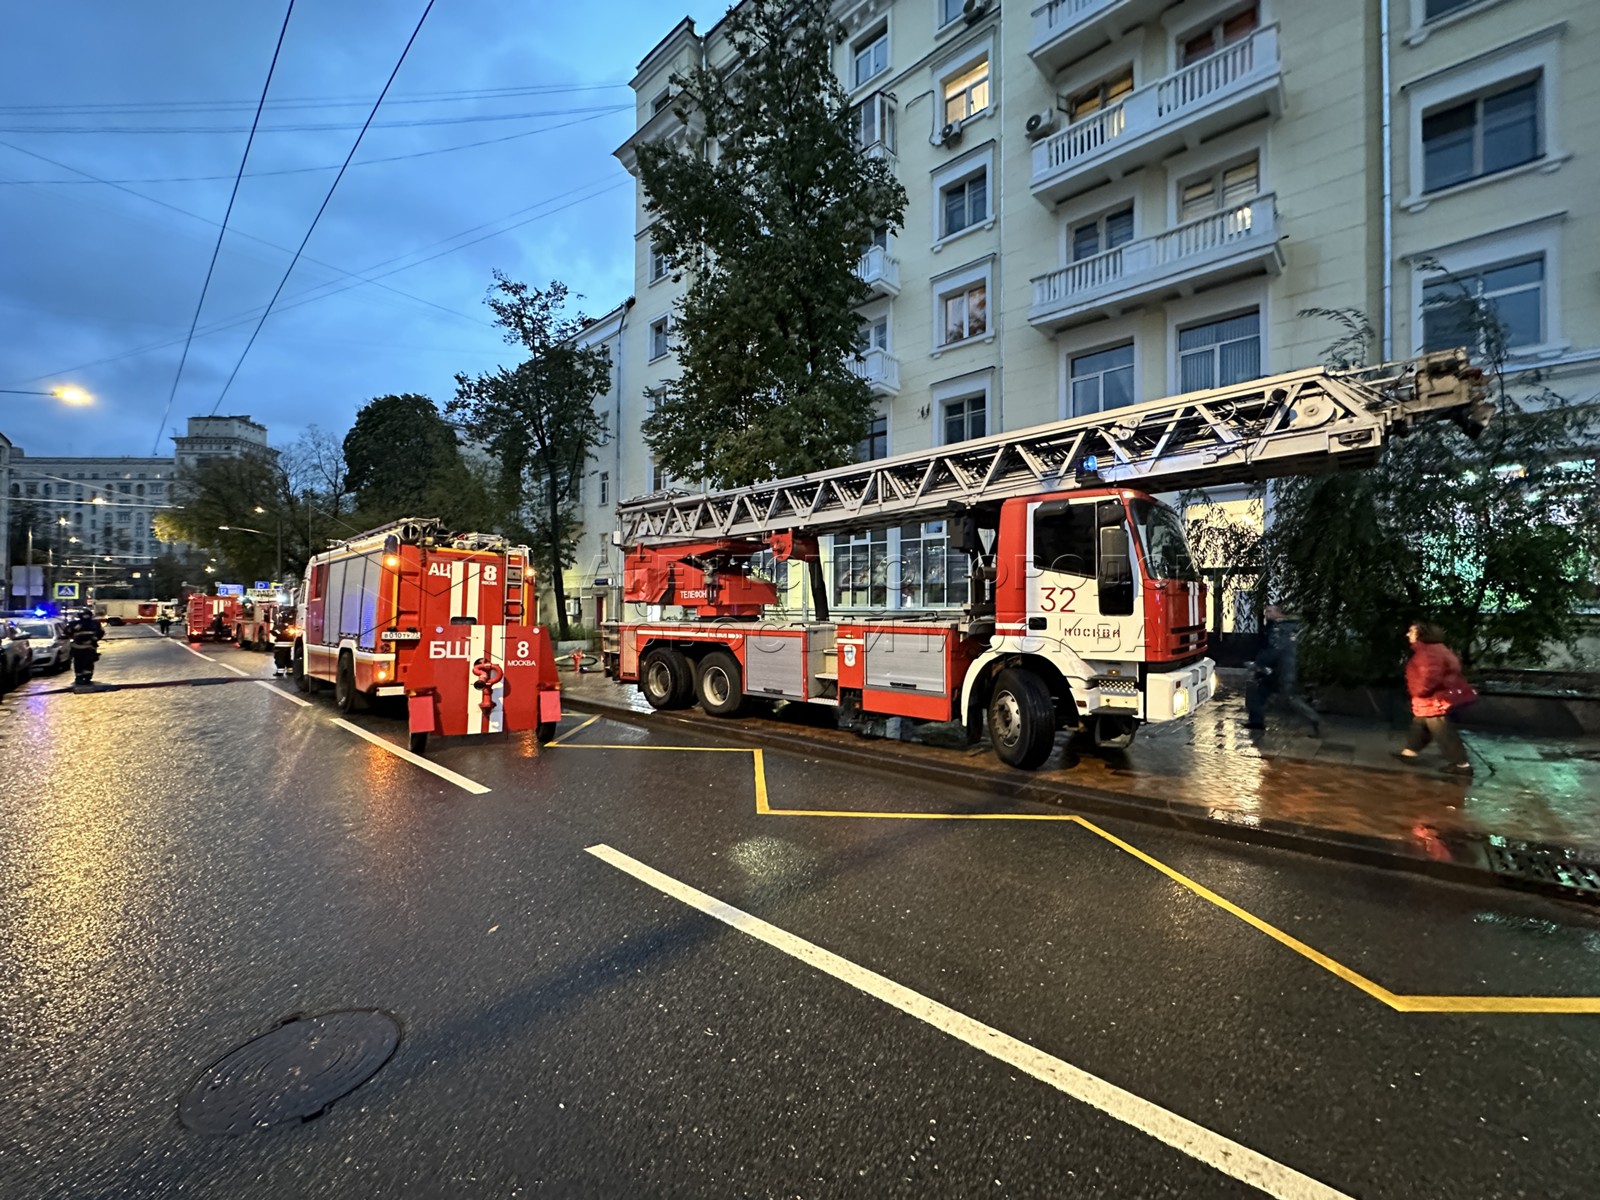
(881,372)
(1227,245)
(1236,84)
(1066,30)
(665,126)
(879,272)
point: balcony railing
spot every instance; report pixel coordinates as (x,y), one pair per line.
(1064,30)
(879,271)
(879,369)
(1236,242)
(1222,89)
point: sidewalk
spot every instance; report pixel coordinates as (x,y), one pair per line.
(1530,817)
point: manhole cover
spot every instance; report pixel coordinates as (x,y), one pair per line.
(293,1073)
(1541,866)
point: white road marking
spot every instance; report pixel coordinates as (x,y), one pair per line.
(196,653)
(278,691)
(1225,1155)
(461,781)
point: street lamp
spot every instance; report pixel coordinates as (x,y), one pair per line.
(69,393)
(278,579)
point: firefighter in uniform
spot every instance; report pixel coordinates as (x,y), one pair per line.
(86,635)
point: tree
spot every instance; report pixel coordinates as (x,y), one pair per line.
(769,229)
(538,420)
(228,490)
(1493,537)
(397,448)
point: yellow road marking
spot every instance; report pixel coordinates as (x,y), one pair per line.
(573,732)
(1398,1002)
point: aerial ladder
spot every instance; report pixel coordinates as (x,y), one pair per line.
(1085,609)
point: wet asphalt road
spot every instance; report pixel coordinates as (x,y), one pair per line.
(183,867)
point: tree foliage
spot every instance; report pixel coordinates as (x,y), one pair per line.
(1492,537)
(768,227)
(538,421)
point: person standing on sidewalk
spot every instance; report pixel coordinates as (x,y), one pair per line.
(1276,672)
(1437,688)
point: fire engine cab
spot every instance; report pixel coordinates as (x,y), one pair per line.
(1085,610)
(407,610)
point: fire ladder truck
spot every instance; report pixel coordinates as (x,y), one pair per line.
(1086,611)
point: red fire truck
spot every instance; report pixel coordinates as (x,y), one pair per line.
(1085,610)
(201,614)
(442,620)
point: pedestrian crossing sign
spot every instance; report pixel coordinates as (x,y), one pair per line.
(66,591)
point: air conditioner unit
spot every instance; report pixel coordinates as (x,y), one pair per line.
(950,134)
(1041,123)
(973,9)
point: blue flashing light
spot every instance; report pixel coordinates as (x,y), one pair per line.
(1091,463)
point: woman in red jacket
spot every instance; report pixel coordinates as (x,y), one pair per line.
(1434,679)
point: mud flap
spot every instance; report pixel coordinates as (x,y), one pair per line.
(549,706)
(419,709)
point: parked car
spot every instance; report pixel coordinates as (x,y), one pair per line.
(16,654)
(52,648)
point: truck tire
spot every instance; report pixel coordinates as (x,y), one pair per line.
(1022,721)
(666,678)
(721,684)
(298,666)
(546,732)
(345,695)
(419,743)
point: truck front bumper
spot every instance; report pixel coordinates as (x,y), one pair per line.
(1169,695)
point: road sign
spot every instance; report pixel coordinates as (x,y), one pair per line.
(262,593)
(230,589)
(262,585)
(65,591)
(27,581)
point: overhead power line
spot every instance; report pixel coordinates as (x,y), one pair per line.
(303,102)
(222,230)
(92,178)
(267,312)
(314,127)
(369,273)
(365,162)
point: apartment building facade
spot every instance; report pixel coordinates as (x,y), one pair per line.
(1115,200)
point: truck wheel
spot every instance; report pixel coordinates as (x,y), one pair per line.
(419,743)
(1022,722)
(666,679)
(546,732)
(344,687)
(721,685)
(302,681)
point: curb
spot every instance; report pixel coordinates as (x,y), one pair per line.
(1460,859)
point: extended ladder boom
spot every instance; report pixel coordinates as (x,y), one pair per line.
(1300,423)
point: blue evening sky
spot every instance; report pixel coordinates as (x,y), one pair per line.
(98,284)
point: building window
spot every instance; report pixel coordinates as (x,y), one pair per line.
(1102,380)
(605,488)
(861,570)
(660,481)
(949,10)
(658,263)
(1455,308)
(876,444)
(874,118)
(661,102)
(965,419)
(1101,96)
(931,574)
(873,335)
(965,313)
(1217,35)
(965,204)
(967,94)
(872,55)
(1220,353)
(1481,136)
(1434,9)
(1219,191)
(1102,234)
(658,338)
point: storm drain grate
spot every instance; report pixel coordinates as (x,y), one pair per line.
(292,1073)
(1542,866)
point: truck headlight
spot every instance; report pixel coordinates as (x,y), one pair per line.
(1180,702)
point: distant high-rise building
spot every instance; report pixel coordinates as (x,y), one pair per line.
(220,437)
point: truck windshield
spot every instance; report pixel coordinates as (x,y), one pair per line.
(1161,535)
